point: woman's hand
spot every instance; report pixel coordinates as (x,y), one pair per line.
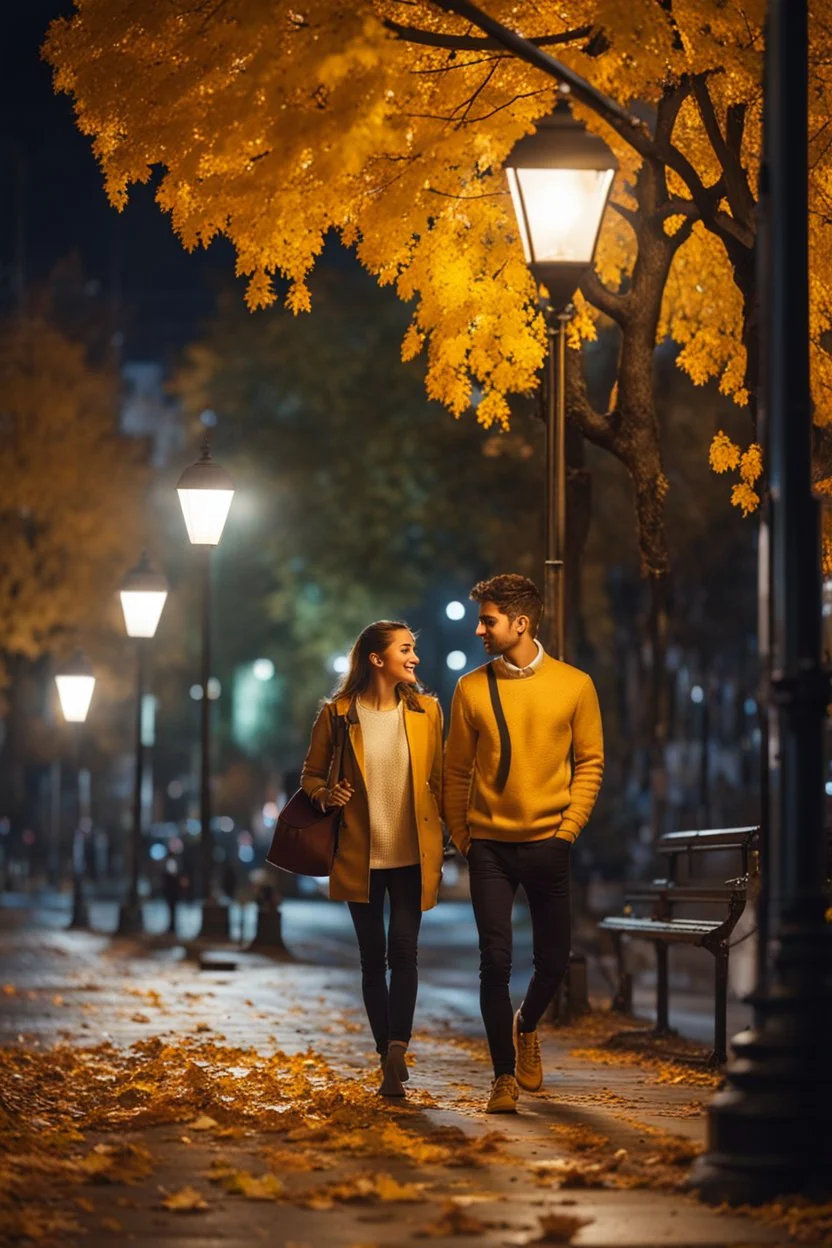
(338,796)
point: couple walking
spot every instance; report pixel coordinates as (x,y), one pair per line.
(522,769)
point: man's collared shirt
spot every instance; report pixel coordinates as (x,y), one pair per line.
(510,669)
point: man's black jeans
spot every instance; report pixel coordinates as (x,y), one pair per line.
(496,870)
(390,1011)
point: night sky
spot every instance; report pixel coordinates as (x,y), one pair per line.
(65,211)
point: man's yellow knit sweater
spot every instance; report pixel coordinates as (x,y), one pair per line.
(557,755)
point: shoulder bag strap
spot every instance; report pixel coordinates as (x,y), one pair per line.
(335,766)
(502,727)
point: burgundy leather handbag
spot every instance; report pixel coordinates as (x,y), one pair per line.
(305,837)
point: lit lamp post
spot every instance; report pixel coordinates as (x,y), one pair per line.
(75,683)
(143,594)
(560,179)
(205,492)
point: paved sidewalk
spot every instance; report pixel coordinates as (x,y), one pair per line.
(142,1098)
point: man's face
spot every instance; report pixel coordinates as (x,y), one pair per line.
(499,634)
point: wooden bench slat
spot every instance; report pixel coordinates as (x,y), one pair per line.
(707,838)
(679,894)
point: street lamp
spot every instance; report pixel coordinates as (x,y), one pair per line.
(560,180)
(75,683)
(205,493)
(143,594)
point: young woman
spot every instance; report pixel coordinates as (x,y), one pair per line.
(390,838)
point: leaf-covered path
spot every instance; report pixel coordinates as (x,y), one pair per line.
(144,1099)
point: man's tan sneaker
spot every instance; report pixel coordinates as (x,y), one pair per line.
(504,1096)
(529,1068)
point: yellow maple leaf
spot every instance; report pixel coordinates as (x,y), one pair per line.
(185,1200)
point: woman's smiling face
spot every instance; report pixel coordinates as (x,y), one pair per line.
(399,660)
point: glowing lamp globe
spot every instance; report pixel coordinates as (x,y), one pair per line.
(143,595)
(205,492)
(560,179)
(75,683)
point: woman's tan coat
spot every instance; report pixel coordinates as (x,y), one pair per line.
(350,876)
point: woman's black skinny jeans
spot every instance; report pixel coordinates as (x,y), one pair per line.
(390,1010)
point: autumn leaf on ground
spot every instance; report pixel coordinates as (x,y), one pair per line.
(139,1018)
(559,1228)
(389,1189)
(363,1188)
(111,1224)
(150,995)
(452,1220)
(203,1123)
(570,1173)
(9,990)
(28,1224)
(241,1183)
(281,1160)
(117,1163)
(185,1200)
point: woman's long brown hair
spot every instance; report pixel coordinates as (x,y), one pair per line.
(374,639)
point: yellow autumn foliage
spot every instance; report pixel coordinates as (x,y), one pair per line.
(70,512)
(274,125)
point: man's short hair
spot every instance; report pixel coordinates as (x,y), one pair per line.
(513,595)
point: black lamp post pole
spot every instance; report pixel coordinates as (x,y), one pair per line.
(207,843)
(130,919)
(214,916)
(79,919)
(769,1128)
(554,581)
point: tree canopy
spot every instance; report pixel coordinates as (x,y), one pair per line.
(69,516)
(389,122)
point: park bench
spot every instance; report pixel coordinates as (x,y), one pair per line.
(690,906)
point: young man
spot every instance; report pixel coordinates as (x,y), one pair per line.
(523,767)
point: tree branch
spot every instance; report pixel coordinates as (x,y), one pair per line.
(598,427)
(627,124)
(677,207)
(626,214)
(470,43)
(610,302)
(737,190)
(730,231)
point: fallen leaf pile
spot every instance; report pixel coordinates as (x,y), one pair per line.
(53,1099)
(804,1222)
(653,1159)
(599,1037)
(662,1070)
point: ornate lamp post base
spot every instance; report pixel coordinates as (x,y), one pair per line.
(769,1127)
(130,919)
(80,915)
(268,938)
(215,925)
